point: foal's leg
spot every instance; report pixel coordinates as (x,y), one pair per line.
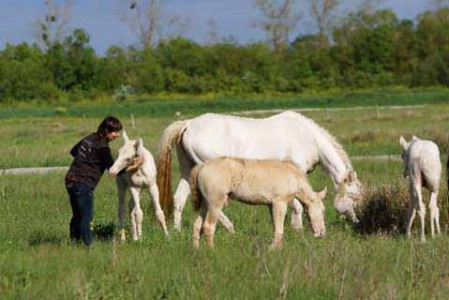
(421,210)
(136,214)
(197,226)
(154,191)
(279,209)
(411,211)
(212,216)
(434,213)
(296,218)
(121,192)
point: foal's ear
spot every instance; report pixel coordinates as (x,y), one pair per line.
(139,143)
(403,143)
(125,136)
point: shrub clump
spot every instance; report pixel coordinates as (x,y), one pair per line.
(384,211)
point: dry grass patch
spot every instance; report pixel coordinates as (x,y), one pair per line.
(384,211)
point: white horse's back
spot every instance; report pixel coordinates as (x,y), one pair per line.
(288,135)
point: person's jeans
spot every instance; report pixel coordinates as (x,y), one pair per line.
(82,202)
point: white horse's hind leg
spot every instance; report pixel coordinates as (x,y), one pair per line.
(121,192)
(157,206)
(226,222)
(136,215)
(434,213)
(179,200)
(297,211)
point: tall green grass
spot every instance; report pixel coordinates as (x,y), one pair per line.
(36,260)
(154,107)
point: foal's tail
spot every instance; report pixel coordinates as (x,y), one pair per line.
(197,197)
(172,134)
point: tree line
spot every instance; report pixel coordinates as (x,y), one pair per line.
(364,50)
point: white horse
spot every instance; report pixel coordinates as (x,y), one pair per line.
(423,167)
(142,177)
(268,182)
(285,136)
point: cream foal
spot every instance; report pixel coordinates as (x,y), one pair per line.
(423,167)
(143,177)
(271,182)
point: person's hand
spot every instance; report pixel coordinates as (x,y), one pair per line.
(136,164)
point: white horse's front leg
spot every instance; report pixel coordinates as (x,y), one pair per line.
(154,191)
(121,192)
(296,218)
(136,214)
(179,200)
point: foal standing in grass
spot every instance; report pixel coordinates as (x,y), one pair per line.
(135,178)
(271,182)
(423,167)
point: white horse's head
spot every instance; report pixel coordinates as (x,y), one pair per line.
(127,153)
(349,195)
(315,211)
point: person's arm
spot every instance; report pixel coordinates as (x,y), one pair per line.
(106,157)
(74,150)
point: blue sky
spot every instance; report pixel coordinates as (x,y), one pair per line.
(101,19)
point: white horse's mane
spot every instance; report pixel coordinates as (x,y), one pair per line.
(338,147)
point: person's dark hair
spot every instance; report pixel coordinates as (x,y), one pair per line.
(109,124)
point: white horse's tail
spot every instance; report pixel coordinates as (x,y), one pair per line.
(197,198)
(172,134)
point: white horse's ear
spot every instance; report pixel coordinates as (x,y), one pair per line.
(414,137)
(125,136)
(403,143)
(323,193)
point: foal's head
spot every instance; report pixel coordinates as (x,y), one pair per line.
(127,154)
(405,146)
(315,211)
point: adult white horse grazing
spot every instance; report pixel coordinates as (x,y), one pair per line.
(285,136)
(423,167)
(268,182)
(142,177)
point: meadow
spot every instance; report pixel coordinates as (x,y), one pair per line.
(36,260)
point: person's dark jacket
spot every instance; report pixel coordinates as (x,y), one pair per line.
(92,156)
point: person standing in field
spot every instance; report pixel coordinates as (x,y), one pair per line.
(91,156)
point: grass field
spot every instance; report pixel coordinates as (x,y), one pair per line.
(37,262)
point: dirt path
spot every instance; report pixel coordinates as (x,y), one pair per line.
(265,111)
